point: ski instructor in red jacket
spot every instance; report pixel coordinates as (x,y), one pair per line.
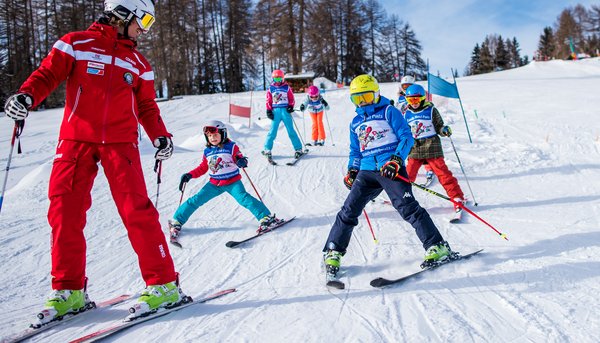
(110,89)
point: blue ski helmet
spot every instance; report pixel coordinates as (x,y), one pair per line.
(415,90)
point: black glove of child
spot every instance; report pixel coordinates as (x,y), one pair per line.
(350,177)
(270,114)
(185,178)
(242,162)
(324,102)
(392,167)
(446,131)
(302,108)
(290,109)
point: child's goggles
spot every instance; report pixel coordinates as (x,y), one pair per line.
(414,100)
(314,97)
(210,129)
(277,79)
(146,21)
(364,98)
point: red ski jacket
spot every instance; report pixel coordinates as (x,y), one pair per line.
(110,87)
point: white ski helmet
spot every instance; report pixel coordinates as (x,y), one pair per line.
(215,125)
(407,79)
(142,10)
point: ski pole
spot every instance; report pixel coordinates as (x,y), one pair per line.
(370,226)
(158,171)
(329,126)
(182,191)
(17,130)
(463,171)
(251,183)
(303,124)
(296,126)
(457,203)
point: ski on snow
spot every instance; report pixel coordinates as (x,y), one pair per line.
(232,244)
(381,282)
(296,159)
(125,324)
(32,331)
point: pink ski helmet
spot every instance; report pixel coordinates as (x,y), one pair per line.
(313,91)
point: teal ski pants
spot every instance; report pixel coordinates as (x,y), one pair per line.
(210,191)
(280,114)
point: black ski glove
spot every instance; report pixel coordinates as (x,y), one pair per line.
(302,108)
(164,146)
(270,114)
(392,167)
(242,162)
(17,106)
(350,177)
(324,102)
(185,178)
(290,109)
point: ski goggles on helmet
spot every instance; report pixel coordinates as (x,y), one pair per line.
(277,79)
(404,86)
(414,100)
(364,98)
(314,97)
(146,21)
(210,129)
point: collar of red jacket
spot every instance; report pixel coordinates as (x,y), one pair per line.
(112,32)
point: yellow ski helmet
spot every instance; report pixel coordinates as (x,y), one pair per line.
(364,90)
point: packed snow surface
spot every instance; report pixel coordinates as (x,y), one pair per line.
(533,167)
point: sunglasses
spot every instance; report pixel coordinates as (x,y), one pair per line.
(146,21)
(210,129)
(364,98)
(414,100)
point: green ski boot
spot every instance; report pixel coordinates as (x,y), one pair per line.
(155,297)
(437,254)
(61,303)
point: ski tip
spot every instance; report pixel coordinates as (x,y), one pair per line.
(377,282)
(336,284)
(231,244)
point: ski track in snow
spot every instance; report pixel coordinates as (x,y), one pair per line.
(532,166)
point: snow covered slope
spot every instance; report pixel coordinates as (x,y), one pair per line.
(534,167)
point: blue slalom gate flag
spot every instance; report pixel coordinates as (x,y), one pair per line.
(442,87)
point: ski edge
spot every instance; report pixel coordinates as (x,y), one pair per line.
(122,325)
(31,332)
(233,244)
(382,282)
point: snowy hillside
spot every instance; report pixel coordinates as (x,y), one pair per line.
(534,167)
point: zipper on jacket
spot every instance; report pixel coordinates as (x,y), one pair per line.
(79,91)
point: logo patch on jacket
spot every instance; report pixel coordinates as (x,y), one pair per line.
(94,71)
(95,65)
(128,77)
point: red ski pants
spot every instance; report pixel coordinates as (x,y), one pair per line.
(73,172)
(318,130)
(440,169)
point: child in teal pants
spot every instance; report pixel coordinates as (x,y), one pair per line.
(222,161)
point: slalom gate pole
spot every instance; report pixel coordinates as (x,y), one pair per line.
(459,204)
(370,226)
(17,130)
(158,171)
(297,129)
(251,183)
(463,171)
(182,191)
(329,126)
